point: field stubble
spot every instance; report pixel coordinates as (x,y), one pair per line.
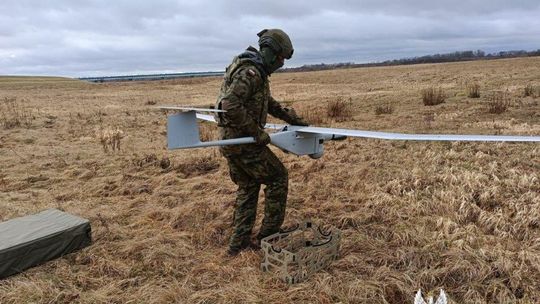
(459,216)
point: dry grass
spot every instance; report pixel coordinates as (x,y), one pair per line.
(151,160)
(339,109)
(110,138)
(384,109)
(13,114)
(208,132)
(473,90)
(314,115)
(334,110)
(433,96)
(530,90)
(457,216)
(499,103)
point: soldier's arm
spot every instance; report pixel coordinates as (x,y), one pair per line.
(286,114)
(243,85)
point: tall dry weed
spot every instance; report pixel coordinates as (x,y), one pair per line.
(473,90)
(384,109)
(429,118)
(314,115)
(13,114)
(339,109)
(433,96)
(530,90)
(498,103)
(110,138)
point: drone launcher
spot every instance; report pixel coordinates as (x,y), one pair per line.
(296,254)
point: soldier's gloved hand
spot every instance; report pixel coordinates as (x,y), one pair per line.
(299,122)
(262,139)
(294,118)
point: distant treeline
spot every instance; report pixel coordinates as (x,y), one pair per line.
(449,57)
(436,58)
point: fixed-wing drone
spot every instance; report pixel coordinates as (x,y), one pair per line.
(183,133)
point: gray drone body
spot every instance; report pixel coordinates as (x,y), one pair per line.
(183,133)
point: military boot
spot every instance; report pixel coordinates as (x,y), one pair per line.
(246,245)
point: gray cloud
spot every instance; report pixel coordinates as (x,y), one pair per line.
(86,38)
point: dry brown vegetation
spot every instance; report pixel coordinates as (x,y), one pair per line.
(110,138)
(207,131)
(332,110)
(499,103)
(464,217)
(530,90)
(384,109)
(315,115)
(13,114)
(339,109)
(433,96)
(473,90)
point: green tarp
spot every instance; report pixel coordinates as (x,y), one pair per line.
(31,240)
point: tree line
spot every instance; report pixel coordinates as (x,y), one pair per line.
(435,58)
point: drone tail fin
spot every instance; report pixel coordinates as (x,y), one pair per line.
(182,130)
(183,133)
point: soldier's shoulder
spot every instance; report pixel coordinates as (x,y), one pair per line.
(250,71)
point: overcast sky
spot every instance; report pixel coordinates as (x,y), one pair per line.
(117,37)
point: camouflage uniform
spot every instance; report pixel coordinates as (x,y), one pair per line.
(248,101)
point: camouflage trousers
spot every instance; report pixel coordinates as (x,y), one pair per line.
(249,171)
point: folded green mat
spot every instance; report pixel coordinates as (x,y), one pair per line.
(31,240)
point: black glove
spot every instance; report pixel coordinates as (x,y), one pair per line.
(295,119)
(262,139)
(299,122)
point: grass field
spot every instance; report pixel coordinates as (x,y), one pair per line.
(464,217)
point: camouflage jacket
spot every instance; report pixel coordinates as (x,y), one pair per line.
(245,96)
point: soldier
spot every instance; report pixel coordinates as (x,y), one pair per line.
(245,96)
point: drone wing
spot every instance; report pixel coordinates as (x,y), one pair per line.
(206,117)
(211,118)
(185,109)
(422,137)
(183,132)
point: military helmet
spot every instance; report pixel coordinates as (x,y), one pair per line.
(278,40)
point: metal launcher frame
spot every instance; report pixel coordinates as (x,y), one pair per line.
(297,254)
